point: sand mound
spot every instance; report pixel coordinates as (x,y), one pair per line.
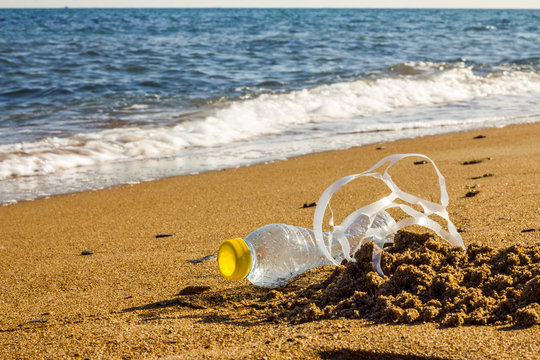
(426,281)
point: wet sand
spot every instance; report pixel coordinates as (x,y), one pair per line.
(121,301)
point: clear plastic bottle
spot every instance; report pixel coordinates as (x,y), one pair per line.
(273,254)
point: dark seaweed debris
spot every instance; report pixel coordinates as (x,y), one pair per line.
(482,176)
(428,281)
(472,193)
(158,236)
(472,162)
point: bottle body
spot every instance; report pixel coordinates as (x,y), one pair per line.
(280,252)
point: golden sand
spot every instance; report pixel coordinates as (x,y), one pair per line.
(121,300)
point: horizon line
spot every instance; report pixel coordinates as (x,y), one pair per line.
(274,8)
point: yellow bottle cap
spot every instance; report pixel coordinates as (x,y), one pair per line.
(234,259)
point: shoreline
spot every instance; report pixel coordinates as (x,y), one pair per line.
(167,173)
(59,303)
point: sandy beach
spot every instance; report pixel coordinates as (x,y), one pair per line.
(120,300)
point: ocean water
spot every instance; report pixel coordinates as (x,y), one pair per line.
(91,98)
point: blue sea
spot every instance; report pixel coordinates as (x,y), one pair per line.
(91,98)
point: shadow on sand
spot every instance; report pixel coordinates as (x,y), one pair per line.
(349,354)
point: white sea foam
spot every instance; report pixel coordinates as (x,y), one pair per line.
(335,106)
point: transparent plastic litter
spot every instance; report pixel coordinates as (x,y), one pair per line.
(274,254)
(279,252)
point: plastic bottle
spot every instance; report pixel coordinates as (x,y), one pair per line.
(273,254)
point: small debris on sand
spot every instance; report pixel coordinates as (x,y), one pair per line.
(163,235)
(479,137)
(471,162)
(472,193)
(205,258)
(308,205)
(420,162)
(475,161)
(482,176)
(87,252)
